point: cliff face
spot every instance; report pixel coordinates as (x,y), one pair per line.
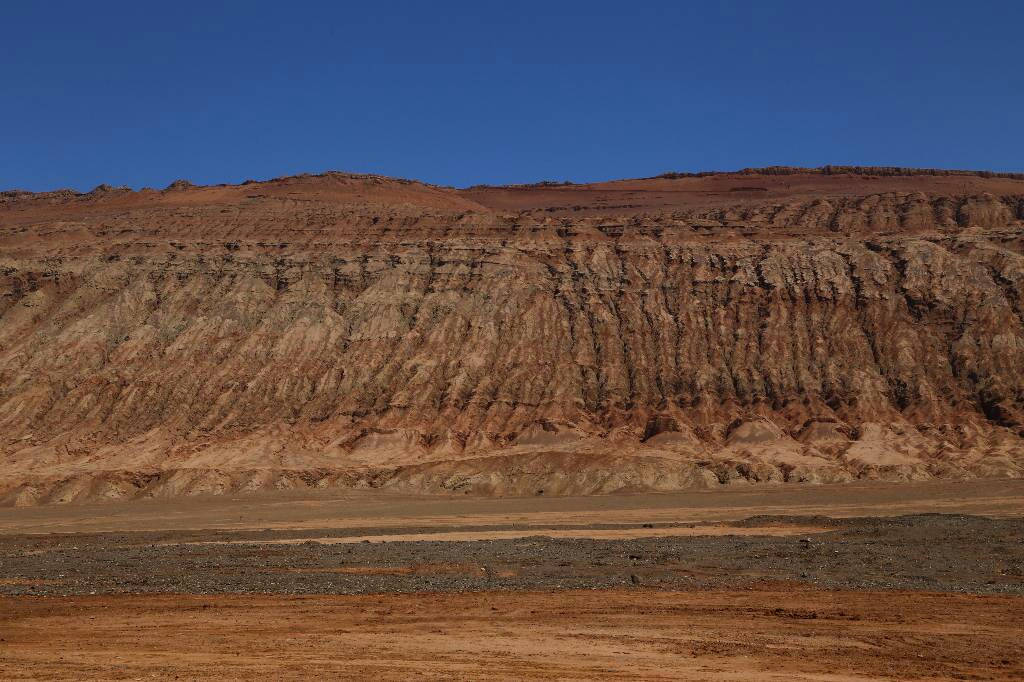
(656,334)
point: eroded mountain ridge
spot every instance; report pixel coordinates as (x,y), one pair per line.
(642,334)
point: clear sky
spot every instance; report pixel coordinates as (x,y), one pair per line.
(141,93)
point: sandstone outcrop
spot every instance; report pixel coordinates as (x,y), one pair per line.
(681,331)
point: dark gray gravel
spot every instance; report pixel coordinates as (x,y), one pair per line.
(942,553)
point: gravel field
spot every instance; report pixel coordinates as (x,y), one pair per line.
(933,552)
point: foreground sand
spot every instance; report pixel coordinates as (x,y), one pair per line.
(772,634)
(838,585)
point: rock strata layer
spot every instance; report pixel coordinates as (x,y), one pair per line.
(675,332)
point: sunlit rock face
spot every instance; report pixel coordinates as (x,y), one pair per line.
(771,326)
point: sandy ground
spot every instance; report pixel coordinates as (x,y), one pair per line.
(839,586)
(771,634)
(593,534)
(373,509)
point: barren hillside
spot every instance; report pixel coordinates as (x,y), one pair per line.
(781,325)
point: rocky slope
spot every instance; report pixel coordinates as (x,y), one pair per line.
(780,325)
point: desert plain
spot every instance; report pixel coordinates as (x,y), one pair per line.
(765,425)
(361,585)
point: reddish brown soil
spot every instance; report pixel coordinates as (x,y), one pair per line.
(363,509)
(771,634)
(619,197)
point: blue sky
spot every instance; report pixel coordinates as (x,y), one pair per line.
(458,93)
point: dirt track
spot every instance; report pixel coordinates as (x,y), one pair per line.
(773,634)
